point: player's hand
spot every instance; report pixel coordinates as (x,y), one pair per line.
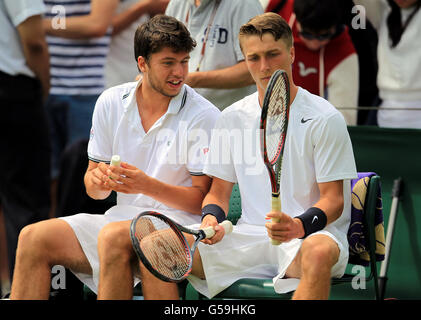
(98,176)
(286,229)
(210,221)
(126,179)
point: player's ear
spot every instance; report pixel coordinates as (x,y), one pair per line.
(141,63)
(292,54)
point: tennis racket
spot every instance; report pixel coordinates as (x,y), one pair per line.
(160,244)
(273,128)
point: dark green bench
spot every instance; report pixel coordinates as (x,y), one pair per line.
(394,153)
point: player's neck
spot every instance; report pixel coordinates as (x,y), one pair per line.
(293,93)
(197,3)
(151,106)
(151,100)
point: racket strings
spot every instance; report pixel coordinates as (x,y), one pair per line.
(277,120)
(164,249)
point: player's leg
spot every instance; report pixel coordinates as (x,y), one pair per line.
(117,261)
(41,246)
(313,265)
(156,289)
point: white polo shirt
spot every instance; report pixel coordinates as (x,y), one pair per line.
(12,14)
(318,149)
(121,64)
(171,151)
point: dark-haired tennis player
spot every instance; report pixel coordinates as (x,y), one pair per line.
(315,189)
(159,127)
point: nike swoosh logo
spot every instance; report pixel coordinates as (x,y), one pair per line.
(315,219)
(305,72)
(305,120)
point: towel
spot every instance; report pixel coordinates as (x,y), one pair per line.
(358,244)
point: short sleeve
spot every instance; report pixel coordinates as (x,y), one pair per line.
(198,140)
(100,140)
(20,10)
(333,154)
(219,161)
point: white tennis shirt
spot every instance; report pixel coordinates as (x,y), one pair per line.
(12,14)
(171,151)
(318,149)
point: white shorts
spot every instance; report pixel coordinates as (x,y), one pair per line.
(87,227)
(248,253)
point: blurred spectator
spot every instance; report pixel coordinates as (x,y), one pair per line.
(121,64)
(398,23)
(326,62)
(24,138)
(217,67)
(264,3)
(364,38)
(79,34)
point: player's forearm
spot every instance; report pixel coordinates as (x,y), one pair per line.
(211,198)
(219,194)
(332,206)
(187,199)
(236,76)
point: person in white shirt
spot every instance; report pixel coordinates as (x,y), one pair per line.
(153,125)
(24,137)
(317,166)
(217,67)
(398,23)
(120,66)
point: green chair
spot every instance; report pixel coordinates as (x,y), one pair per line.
(263,288)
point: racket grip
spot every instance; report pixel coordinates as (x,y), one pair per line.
(276,207)
(115,160)
(210,232)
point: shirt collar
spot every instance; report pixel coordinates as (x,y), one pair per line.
(176,103)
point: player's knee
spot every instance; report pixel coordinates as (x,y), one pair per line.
(319,255)
(114,241)
(30,240)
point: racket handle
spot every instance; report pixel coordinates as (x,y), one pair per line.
(115,160)
(276,207)
(210,232)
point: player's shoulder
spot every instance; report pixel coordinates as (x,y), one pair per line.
(120,92)
(308,105)
(112,101)
(196,104)
(247,106)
